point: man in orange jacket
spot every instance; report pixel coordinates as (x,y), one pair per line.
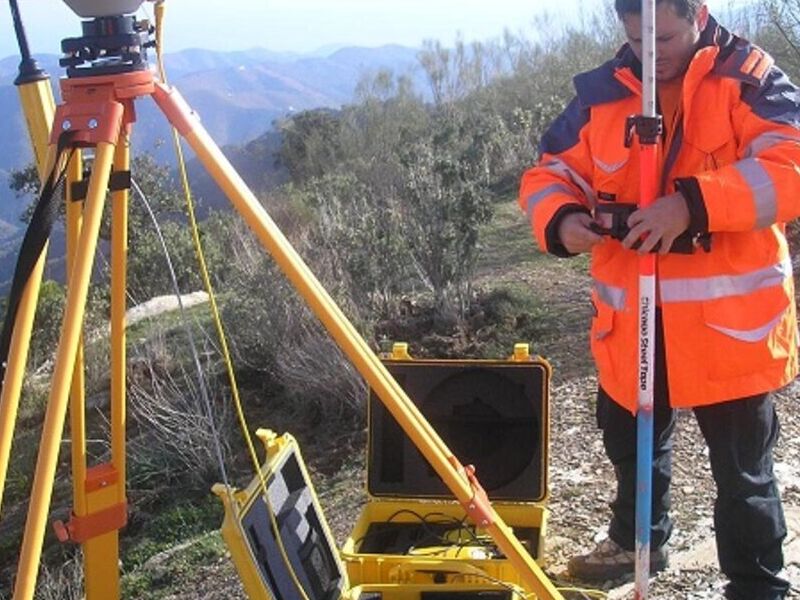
(726,328)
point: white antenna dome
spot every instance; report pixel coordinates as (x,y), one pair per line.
(103,8)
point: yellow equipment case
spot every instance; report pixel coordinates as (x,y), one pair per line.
(271,566)
(412,540)
(492,415)
(304,555)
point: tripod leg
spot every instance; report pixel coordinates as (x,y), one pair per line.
(119,265)
(62,376)
(101,552)
(77,416)
(348,339)
(18,351)
(38,106)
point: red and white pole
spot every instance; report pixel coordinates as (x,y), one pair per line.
(648,129)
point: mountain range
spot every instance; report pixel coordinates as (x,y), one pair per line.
(238,96)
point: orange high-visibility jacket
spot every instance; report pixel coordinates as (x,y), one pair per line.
(729,319)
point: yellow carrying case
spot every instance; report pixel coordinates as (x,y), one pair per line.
(492,414)
(303,555)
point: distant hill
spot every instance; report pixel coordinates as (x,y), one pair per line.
(238,96)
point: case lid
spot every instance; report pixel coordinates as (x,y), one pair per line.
(308,552)
(491,414)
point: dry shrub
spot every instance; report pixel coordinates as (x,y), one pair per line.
(63,581)
(177,438)
(284,352)
(322,382)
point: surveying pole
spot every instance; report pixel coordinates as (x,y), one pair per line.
(648,127)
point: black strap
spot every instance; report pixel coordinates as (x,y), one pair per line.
(36,236)
(117,181)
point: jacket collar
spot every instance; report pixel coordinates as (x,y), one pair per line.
(621,76)
(714,34)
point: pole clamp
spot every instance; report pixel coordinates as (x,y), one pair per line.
(478,508)
(80,529)
(647,129)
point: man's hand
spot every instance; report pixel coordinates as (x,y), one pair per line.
(662,221)
(575,233)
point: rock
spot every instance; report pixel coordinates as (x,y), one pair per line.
(697,557)
(162,304)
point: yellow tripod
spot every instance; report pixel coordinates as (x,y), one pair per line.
(97,113)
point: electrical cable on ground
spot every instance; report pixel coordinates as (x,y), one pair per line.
(159,10)
(159,14)
(190,336)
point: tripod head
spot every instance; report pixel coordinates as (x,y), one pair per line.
(113,40)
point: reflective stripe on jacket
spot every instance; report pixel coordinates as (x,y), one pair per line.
(729,319)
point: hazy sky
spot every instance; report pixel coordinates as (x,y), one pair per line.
(303,25)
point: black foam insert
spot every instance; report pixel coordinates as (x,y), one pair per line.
(491,415)
(303,535)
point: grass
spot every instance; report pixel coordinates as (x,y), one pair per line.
(172,569)
(171,525)
(506,242)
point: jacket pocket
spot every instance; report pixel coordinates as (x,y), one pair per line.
(746,334)
(609,176)
(714,148)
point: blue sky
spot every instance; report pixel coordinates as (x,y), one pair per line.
(304,25)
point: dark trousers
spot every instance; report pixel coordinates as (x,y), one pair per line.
(748,518)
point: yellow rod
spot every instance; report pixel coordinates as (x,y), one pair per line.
(39,108)
(346,336)
(18,352)
(119,265)
(77,404)
(46,462)
(101,566)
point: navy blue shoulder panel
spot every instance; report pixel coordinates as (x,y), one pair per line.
(599,85)
(564,132)
(772,96)
(594,87)
(777,99)
(732,57)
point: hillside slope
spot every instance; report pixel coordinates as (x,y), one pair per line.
(579,474)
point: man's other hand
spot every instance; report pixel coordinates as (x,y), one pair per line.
(662,221)
(575,233)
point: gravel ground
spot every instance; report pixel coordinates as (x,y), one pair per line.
(581,486)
